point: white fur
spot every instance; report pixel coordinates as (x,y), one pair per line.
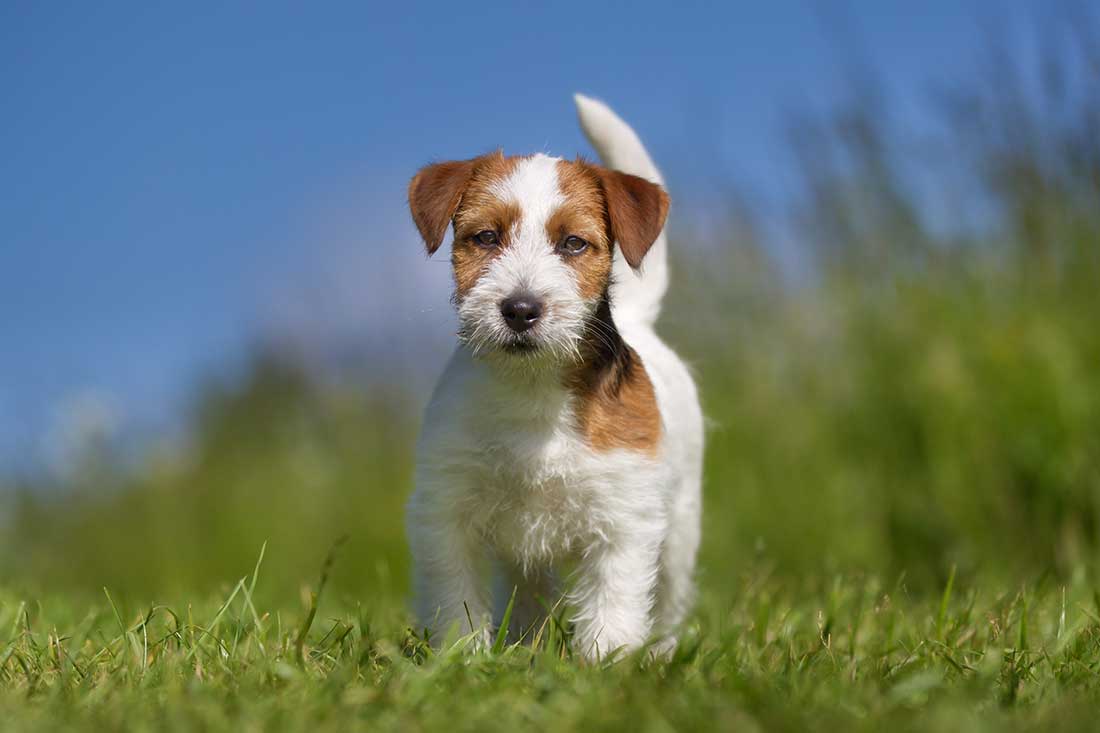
(507,489)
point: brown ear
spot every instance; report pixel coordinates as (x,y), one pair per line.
(637,210)
(434,194)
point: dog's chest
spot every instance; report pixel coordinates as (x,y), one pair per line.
(543,493)
(511,459)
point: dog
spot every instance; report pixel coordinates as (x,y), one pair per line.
(563,433)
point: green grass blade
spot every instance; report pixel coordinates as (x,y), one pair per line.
(945,601)
(256,570)
(209,630)
(502,632)
(311,614)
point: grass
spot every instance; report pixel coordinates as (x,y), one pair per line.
(848,654)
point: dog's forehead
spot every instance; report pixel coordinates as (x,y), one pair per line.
(531,180)
(548,195)
(535,183)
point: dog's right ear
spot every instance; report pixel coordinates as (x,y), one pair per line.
(434,194)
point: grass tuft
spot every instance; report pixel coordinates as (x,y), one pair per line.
(844,654)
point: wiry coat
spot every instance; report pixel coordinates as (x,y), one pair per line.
(577,443)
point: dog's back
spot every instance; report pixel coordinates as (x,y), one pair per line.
(636,304)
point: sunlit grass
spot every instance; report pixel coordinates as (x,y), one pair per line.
(849,653)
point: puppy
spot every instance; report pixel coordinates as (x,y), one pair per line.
(563,433)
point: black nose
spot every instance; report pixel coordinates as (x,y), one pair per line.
(521,313)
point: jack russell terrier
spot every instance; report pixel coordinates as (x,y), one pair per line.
(563,431)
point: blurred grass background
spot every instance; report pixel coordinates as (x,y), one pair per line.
(923,394)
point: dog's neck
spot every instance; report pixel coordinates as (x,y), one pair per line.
(606,360)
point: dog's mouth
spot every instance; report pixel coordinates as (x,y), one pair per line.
(520,344)
(513,344)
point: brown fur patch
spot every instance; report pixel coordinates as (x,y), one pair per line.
(478,210)
(637,210)
(468,258)
(434,194)
(616,404)
(584,215)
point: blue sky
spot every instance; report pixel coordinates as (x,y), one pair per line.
(177,181)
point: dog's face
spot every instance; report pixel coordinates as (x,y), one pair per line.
(533,246)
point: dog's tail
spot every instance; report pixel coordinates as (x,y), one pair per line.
(634,295)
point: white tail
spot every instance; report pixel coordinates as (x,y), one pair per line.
(635,296)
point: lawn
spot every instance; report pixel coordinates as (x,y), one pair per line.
(843,654)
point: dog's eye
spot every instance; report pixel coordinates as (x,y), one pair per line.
(573,245)
(487,238)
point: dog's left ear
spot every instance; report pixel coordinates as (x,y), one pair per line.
(637,209)
(434,194)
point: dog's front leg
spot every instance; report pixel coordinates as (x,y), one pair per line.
(448,575)
(613,595)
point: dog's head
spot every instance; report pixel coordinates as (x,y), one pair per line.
(533,245)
